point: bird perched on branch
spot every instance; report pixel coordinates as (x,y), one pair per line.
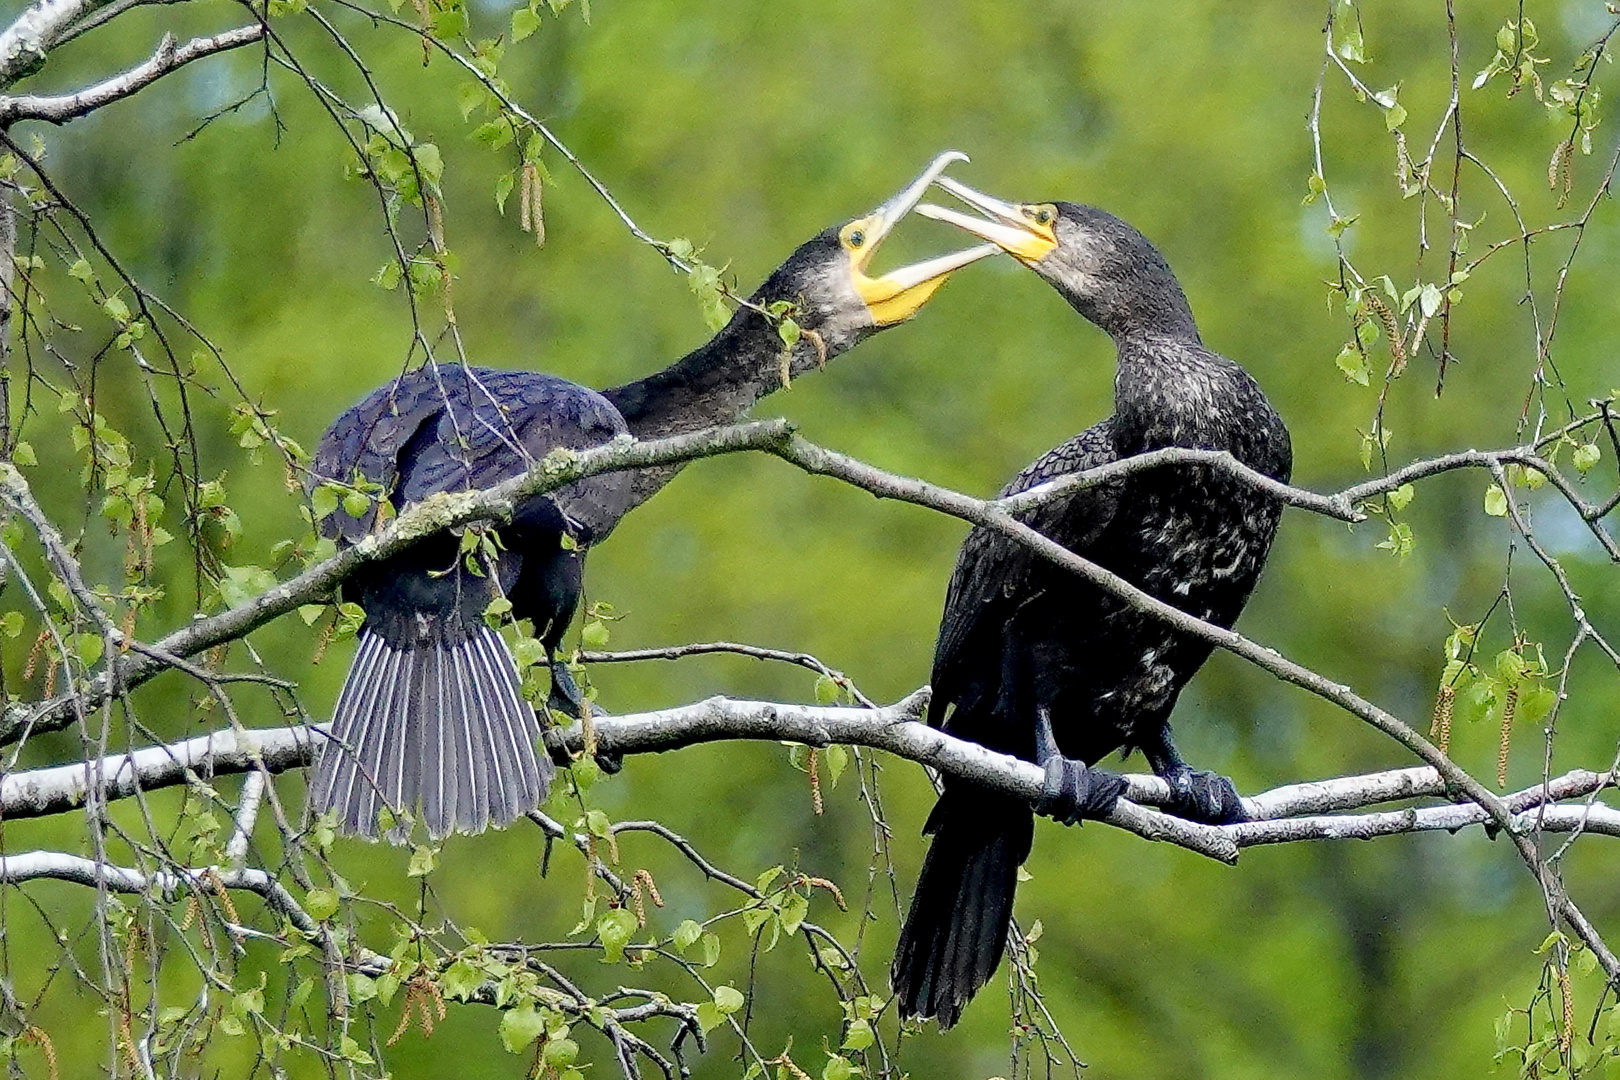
(1033,660)
(431,714)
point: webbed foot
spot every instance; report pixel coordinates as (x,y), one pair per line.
(1202,796)
(1074,791)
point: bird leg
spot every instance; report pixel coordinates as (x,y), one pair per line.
(567,698)
(1073,790)
(1195,794)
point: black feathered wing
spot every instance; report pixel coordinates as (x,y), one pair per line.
(431,715)
(993,572)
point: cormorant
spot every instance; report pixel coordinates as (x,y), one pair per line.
(431,712)
(1034,661)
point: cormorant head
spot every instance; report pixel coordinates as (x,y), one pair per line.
(1105,268)
(830,278)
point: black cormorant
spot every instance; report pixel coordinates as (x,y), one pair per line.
(431,713)
(1034,661)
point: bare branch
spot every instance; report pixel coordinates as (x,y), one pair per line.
(169,57)
(1275,816)
(25,42)
(56,790)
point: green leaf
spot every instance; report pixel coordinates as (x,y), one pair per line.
(1401,497)
(496,611)
(1351,46)
(559,1052)
(1430,300)
(837,759)
(115,307)
(521,1027)
(503,189)
(90,648)
(495,134)
(469,96)
(595,634)
(430,163)
(388,276)
(525,21)
(827,690)
(686,934)
(450,22)
(709,1017)
(356,504)
(728,999)
(1586,455)
(321,904)
(82,271)
(859,1036)
(1509,666)
(24,454)
(794,911)
(1536,703)
(1496,504)
(350,1050)
(1354,365)
(711,949)
(1400,540)
(424,860)
(837,1068)
(614,929)
(362,988)
(461,978)
(789,332)
(11,623)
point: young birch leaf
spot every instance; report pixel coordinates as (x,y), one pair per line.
(525,21)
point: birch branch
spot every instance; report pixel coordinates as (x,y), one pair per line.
(169,57)
(24,44)
(1290,814)
(315,584)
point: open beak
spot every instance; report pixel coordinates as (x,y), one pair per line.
(898,295)
(1003,224)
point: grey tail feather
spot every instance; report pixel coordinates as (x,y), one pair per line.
(442,727)
(956,930)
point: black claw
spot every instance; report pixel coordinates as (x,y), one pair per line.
(1073,791)
(1205,797)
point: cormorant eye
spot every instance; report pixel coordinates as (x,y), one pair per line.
(1043,216)
(857,238)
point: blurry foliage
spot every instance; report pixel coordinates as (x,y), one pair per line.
(748,128)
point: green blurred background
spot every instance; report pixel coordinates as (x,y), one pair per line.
(748,127)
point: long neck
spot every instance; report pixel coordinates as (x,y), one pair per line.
(717,383)
(714,384)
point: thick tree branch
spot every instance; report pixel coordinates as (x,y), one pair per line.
(315,584)
(24,44)
(1297,812)
(169,57)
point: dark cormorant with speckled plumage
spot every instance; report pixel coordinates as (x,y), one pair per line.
(432,714)
(1034,661)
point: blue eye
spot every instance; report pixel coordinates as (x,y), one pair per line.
(857,238)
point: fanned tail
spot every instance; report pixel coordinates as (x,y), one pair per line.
(956,929)
(439,725)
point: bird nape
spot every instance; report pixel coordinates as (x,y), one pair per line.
(1033,660)
(432,719)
